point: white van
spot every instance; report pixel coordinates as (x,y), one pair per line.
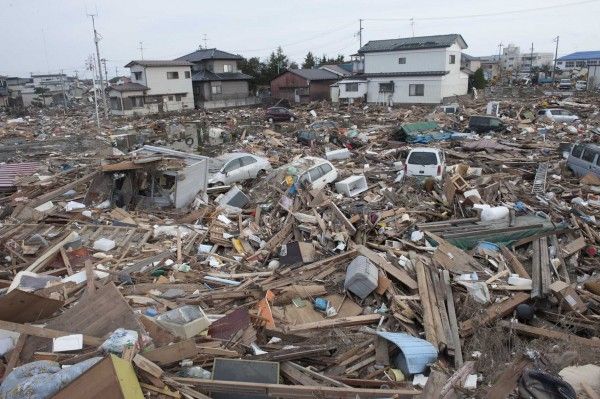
(425,162)
(584,158)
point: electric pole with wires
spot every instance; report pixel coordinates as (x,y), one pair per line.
(98,59)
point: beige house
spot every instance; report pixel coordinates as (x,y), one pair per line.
(156,86)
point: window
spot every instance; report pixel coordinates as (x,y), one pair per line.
(247,160)
(577,151)
(495,122)
(559,63)
(386,87)
(422,158)
(227,68)
(315,173)
(542,112)
(570,64)
(588,155)
(325,168)
(416,90)
(172,75)
(580,63)
(170,98)
(215,88)
(232,165)
(188,74)
(178,97)
(137,102)
(402,60)
(137,76)
(452,59)
(351,86)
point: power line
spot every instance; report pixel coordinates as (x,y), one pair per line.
(577,3)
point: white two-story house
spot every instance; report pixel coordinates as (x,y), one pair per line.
(156,86)
(422,69)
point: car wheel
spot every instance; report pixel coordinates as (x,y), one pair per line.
(292,118)
(261,173)
(270,120)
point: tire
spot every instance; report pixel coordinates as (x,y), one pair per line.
(261,173)
(292,118)
(270,120)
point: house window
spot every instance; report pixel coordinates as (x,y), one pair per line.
(172,75)
(187,74)
(215,88)
(402,60)
(386,87)
(137,75)
(559,63)
(178,97)
(137,102)
(416,90)
(580,63)
(351,86)
(570,64)
(170,98)
(227,68)
(452,59)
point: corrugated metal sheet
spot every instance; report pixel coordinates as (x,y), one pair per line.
(415,353)
(9,172)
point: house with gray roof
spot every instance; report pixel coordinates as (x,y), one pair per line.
(423,69)
(217,80)
(308,84)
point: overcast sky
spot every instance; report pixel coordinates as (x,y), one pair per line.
(43,36)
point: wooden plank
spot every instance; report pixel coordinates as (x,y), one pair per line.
(44,332)
(15,355)
(148,366)
(544,266)
(397,273)
(65,259)
(536,271)
(90,277)
(335,323)
(507,381)
(434,385)
(459,375)
(342,218)
(428,323)
(169,354)
(61,190)
(493,312)
(458,358)
(572,247)
(25,307)
(543,332)
(514,263)
(295,391)
(589,391)
(317,376)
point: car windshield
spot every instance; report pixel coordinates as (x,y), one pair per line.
(422,158)
(215,165)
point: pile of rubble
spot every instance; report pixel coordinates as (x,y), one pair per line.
(335,274)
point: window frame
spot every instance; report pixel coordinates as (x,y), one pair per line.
(350,87)
(244,159)
(214,86)
(187,74)
(137,75)
(452,59)
(587,151)
(382,84)
(415,92)
(226,67)
(401,60)
(577,151)
(231,164)
(172,75)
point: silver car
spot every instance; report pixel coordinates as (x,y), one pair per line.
(584,158)
(557,115)
(235,167)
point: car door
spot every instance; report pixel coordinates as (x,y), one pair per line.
(233,171)
(328,174)
(249,166)
(316,174)
(574,160)
(589,157)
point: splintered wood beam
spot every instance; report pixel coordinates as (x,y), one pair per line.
(493,312)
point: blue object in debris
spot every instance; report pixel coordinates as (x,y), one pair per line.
(415,353)
(489,246)
(321,304)
(151,312)
(520,206)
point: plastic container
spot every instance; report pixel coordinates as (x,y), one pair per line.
(104,244)
(185,322)
(361,277)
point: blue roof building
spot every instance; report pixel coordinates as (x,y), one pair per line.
(580,59)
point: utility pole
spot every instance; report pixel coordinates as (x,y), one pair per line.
(62,85)
(531,63)
(96,40)
(141,49)
(555,57)
(205,42)
(500,61)
(105,70)
(360,29)
(116,71)
(412,25)
(91,67)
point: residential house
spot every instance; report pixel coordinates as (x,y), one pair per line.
(217,79)
(156,86)
(422,69)
(469,63)
(491,66)
(304,85)
(578,60)
(3,92)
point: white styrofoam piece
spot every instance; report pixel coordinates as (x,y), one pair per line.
(67,343)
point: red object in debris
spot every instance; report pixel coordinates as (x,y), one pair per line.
(591,251)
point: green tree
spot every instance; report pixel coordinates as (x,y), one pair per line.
(309,61)
(253,67)
(277,63)
(42,92)
(478,79)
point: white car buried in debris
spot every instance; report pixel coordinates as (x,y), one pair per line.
(235,167)
(425,162)
(557,115)
(315,172)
